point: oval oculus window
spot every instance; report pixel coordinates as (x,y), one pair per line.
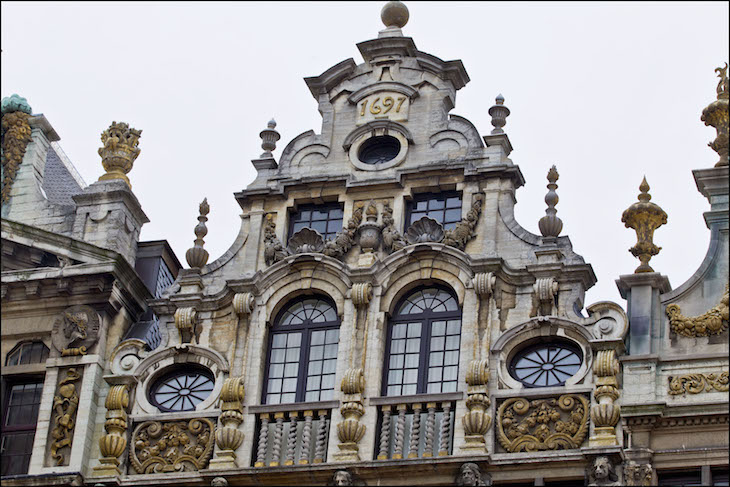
(182,389)
(546,364)
(378,150)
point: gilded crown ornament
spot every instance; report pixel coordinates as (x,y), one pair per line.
(716,115)
(119,152)
(550,225)
(499,114)
(269,137)
(16,135)
(197,256)
(644,217)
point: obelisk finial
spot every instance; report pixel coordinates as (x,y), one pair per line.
(644,217)
(716,115)
(550,225)
(197,256)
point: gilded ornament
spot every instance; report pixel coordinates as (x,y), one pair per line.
(229,437)
(712,322)
(697,383)
(350,431)
(197,256)
(119,152)
(716,115)
(606,414)
(542,424)
(460,235)
(113,444)
(172,446)
(644,217)
(65,406)
(185,320)
(16,135)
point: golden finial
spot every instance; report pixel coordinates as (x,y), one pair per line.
(644,217)
(716,115)
(119,152)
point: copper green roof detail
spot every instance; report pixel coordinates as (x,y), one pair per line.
(15,103)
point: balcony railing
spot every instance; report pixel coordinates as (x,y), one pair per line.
(292,434)
(415,426)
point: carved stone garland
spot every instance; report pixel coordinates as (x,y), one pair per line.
(16,135)
(174,446)
(113,444)
(697,383)
(712,322)
(542,424)
(229,437)
(606,413)
(65,407)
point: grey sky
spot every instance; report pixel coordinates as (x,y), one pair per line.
(608,92)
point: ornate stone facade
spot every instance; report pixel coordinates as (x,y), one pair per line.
(382,317)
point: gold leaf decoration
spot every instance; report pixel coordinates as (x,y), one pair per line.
(65,406)
(696,383)
(542,424)
(174,446)
(15,139)
(712,322)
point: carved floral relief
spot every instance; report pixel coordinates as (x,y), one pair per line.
(697,383)
(712,322)
(542,424)
(173,446)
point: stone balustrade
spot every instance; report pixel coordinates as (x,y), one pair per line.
(418,426)
(292,434)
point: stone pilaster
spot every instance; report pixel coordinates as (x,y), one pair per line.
(642,292)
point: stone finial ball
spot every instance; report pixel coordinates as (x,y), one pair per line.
(394,14)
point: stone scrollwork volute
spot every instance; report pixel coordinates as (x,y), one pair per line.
(350,431)
(460,235)
(243,303)
(186,320)
(545,291)
(542,424)
(476,420)
(362,293)
(484,283)
(229,437)
(113,444)
(172,446)
(65,407)
(697,383)
(712,322)
(606,414)
(76,330)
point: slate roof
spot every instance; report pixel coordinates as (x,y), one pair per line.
(58,182)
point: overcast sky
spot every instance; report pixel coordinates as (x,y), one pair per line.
(608,92)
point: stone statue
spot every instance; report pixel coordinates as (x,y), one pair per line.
(341,477)
(602,473)
(219,482)
(470,475)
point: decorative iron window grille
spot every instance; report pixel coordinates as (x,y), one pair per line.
(546,364)
(182,389)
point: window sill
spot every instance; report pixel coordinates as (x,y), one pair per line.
(415,398)
(294,406)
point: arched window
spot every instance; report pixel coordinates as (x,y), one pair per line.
(27,353)
(422,350)
(302,355)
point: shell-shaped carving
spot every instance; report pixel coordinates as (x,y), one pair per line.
(425,230)
(306,240)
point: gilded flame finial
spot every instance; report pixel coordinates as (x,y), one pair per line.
(716,115)
(197,256)
(119,152)
(644,217)
(550,225)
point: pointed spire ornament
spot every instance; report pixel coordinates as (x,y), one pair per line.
(716,115)
(499,114)
(550,225)
(197,256)
(644,217)
(269,137)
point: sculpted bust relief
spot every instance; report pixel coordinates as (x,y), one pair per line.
(602,473)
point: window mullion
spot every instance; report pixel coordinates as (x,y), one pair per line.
(424,352)
(303,365)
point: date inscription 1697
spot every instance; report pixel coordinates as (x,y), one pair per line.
(383,106)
